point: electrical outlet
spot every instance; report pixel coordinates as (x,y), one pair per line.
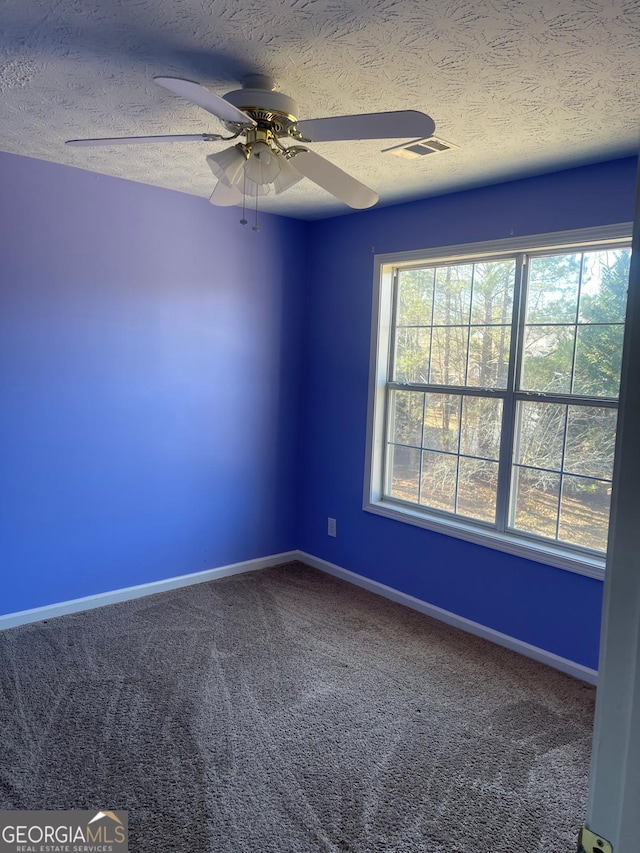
(331,526)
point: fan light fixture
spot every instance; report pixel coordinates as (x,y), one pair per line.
(227,165)
(251,170)
(263,165)
(286,177)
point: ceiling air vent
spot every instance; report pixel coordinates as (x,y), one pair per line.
(420,148)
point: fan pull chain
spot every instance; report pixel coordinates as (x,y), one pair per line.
(243,221)
(255,227)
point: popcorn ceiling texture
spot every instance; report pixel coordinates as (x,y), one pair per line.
(522,86)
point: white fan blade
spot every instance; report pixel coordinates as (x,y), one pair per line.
(333,179)
(127,140)
(224,196)
(201,97)
(394,125)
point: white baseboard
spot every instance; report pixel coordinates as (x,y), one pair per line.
(49,611)
(577,670)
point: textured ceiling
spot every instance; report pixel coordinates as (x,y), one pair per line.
(522,86)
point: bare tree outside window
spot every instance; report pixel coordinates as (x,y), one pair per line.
(564,457)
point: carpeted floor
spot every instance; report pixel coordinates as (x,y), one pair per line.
(284,711)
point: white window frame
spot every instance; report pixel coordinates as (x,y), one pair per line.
(549,553)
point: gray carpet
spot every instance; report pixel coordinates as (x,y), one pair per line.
(286,711)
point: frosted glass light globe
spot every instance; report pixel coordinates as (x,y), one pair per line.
(263,165)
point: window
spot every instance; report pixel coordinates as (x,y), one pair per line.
(494,392)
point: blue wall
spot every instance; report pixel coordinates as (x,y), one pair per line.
(550,608)
(148,384)
(179,393)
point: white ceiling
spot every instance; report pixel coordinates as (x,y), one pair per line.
(522,86)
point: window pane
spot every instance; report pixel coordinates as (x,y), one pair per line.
(548,358)
(481,427)
(591,439)
(536,501)
(493,284)
(605,278)
(540,435)
(454,332)
(489,356)
(415,297)
(598,360)
(404,466)
(453,295)
(449,356)
(412,355)
(441,422)
(438,480)
(406,417)
(552,291)
(477,489)
(584,512)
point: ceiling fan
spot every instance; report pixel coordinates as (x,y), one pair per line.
(262,119)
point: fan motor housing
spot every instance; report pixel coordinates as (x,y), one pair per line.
(271,108)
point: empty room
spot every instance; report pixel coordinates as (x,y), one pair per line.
(319,329)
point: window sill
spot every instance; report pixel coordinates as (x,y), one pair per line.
(558,557)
